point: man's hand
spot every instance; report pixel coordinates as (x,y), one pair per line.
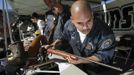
(48,46)
(55,44)
(73,60)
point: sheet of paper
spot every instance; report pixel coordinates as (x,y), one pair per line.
(63,66)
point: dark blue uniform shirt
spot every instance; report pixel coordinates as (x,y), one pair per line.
(99,42)
(56,20)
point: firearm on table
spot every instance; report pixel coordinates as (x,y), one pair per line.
(75,57)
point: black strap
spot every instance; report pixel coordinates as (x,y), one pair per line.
(51,34)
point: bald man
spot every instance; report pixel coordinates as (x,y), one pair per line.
(89,37)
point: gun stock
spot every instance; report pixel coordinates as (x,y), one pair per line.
(61,53)
(35,45)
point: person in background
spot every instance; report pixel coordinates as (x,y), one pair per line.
(88,37)
(49,5)
(56,17)
(40,23)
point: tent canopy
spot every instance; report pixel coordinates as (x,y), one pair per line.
(25,7)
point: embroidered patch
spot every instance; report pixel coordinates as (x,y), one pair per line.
(106,43)
(89,46)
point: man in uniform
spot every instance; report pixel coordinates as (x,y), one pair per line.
(89,37)
(56,17)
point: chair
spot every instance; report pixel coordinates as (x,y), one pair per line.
(125,45)
(127,50)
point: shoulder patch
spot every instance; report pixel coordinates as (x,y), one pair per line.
(106,43)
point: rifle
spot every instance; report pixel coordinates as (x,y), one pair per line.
(65,54)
